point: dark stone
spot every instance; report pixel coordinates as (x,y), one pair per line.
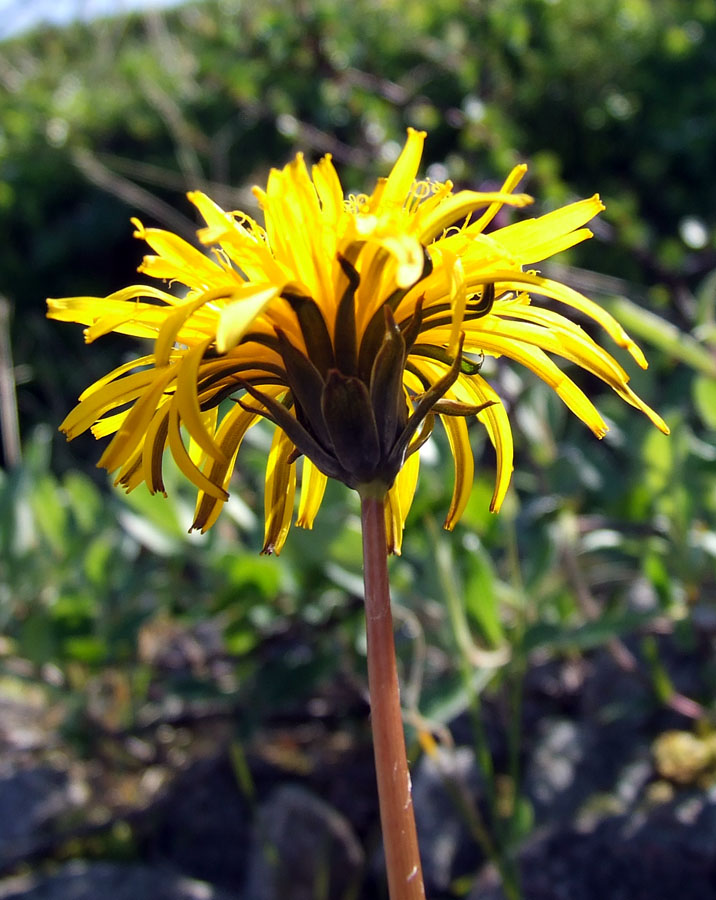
(31,801)
(662,854)
(111,881)
(302,849)
(202,827)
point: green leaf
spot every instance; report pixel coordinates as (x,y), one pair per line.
(591,634)
(661,682)
(240,641)
(84,500)
(97,560)
(50,513)
(704,395)
(481,598)
(250,580)
(89,649)
(37,639)
(522,820)
(447,698)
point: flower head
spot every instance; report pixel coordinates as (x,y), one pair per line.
(351,325)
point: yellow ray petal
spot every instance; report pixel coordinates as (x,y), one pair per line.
(497,425)
(108,425)
(140,320)
(115,374)
(511,182)
(171,326)
(229,437)
(475,390)
(398,502)
(91,308)
(458,299)
(155,442)
(394,190)
(557,291)
(177,259)
(626,393)
(278,493)
(456,429)
(109,396)
(535,359)
(211,212)
(237,316)
(130,475)
(408,254)
(105,314)
(532,240)
(459,206)
(559,335)
(330,192)
(132,431)
(313,486)
(183,460)
(209,418)
(187,402)
(290,224)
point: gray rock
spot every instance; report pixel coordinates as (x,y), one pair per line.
(202,827)
(111,881)
(550,778)
(442,831)
(31,801)
(660,854)
(302,849)
(23,729)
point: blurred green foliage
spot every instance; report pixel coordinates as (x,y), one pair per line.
(598,541)
(120,117)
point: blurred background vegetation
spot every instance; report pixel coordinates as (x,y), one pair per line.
(127,624)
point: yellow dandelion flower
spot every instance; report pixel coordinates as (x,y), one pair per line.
(351,325)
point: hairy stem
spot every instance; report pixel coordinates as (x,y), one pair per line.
(405,878)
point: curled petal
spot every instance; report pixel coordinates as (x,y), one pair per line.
(184,461)
(313,487)
(399,501)
(229,436)
(456,429)
(279,493)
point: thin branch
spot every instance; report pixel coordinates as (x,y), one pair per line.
(131,194)
(9,419)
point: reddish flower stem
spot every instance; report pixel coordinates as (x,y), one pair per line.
(400,840)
